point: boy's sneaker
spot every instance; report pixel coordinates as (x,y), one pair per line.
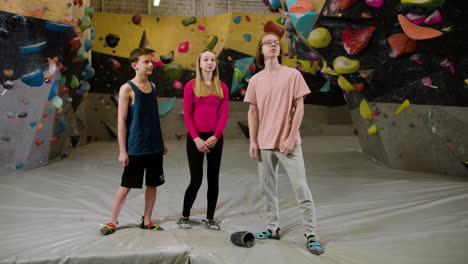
(150,226)
(314,246)
(211,224)
(184,222)
(108,229)
(268,235)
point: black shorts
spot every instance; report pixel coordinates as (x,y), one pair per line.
(132,176)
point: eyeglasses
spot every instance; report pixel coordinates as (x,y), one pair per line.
(271,42)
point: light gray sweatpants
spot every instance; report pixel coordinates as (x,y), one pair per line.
(295,169)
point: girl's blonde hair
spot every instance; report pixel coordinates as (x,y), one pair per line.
(201,90)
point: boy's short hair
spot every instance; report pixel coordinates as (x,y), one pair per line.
(138,52)
(259,56)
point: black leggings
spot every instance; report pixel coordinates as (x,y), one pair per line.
(195,160)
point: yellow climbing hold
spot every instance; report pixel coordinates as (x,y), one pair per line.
(319,38)
(402,107)
(343,65)
(466,81)
(344,84)
(365,111)
(373,130)
(328,70)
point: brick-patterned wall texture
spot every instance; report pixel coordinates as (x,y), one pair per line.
(180,7)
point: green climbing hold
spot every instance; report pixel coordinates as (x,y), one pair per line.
(238,74)
(74,82)
(189,21)
(212,43)
(173,71)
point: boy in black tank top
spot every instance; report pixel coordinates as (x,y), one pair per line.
(141,146)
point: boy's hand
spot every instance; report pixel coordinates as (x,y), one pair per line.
(287,146)
(165,150)
(201,145)
(123,159)
(253,150)
(211,141)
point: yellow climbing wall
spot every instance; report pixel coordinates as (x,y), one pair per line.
(167,32)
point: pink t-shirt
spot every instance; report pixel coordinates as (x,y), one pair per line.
(205,114)
(273,93)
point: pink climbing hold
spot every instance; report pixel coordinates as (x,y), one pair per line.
(178,85)
(200,27)
(433,18)
(416,19)
(374,3)
(184,47)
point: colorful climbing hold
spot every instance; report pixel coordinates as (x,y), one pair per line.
(57,27)
(53,90)
(428,82)
(433,18)
(201,28)
(272,27)
(35,78)
(166,59)
(237,20)
(86,23)
(417,32)
(74,82)
(365,110)
(189,21)
(319,38)
(416,18)
(31,49)
(82,55)
(173,71)
(8,84)
(112,40)
(8,72)
(177,84)
(165,107)
(136,19)
(88,44)
(56,103)
(212,43)
(354,41)
(345,4)
(248,37)
(114,64)
(375,3)
(424,3)
(373,130)
(343,65)
(15,22)
(401,44)
(345,84)
(184,47)
(402,107)
(325,87)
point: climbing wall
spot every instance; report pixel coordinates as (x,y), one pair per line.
(233,36)
(402,70)
(44,71)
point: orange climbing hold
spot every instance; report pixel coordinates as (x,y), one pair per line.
(417,32)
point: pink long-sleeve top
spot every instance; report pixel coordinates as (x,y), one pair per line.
(205,114)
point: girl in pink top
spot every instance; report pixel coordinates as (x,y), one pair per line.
(206,102)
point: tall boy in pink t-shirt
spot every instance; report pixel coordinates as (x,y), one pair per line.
(275,95)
